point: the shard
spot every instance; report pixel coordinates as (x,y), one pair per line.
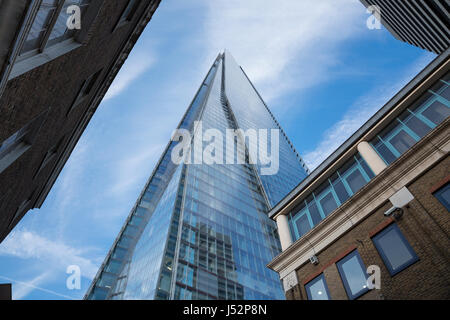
(199,230)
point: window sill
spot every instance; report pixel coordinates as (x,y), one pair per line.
(13,155)
(24,65)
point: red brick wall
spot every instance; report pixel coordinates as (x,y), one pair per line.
(426,226)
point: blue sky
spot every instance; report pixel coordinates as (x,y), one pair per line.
(322,72)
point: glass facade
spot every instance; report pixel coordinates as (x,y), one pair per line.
(201,231)
(432,108)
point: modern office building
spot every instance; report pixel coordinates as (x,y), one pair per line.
(53,75)
(200,230)
(424,24)
(380,203)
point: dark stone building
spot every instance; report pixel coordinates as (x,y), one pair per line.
(424,24)
(53,76)
(378,206)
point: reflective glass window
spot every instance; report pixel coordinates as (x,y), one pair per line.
(353,275)
(443,195)
(394,249)
(317,289)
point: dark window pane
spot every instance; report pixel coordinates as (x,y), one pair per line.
(443,195)
(437,112)
(341,191)
(298,209)
(402,141)
(446,94)
(113,266)
(99,294)
(106,280)
(366,168)
(394,249)
(314,212)
(39,27)
(303,225)
(317,289)
(328,204)
(419,127)
(356,181)
(387,155)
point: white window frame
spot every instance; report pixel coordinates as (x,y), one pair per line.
(34,58)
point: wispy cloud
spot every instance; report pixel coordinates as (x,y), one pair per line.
(128,170)
(284,45)
(56,255)
(359,113)
(135,66)
(21,289)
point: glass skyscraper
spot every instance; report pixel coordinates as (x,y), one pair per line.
(201,231)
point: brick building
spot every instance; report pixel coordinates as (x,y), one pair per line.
(52,79)
(379,205)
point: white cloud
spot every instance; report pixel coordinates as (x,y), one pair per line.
(136,65)
(56,255)
(129,169)
(284,45)
(359,113)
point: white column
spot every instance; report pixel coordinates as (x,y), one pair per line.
(283,231)
(371,157)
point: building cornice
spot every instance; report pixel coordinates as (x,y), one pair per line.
(410,166)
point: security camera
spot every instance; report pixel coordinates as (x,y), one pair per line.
(314,260)
(394,212)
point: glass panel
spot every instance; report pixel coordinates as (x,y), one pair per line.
(119,253)
(328,204)
(317,290)
(366,168)
(443,196)
(106,280)
(353,274)
(315,214)
(446,93)
(39,27)
(417,126)
(99,294)
(113,266)
(394,250)
(402,141)
(385,153)
(341,191)
(437,112)
(303,225)
(356,181)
